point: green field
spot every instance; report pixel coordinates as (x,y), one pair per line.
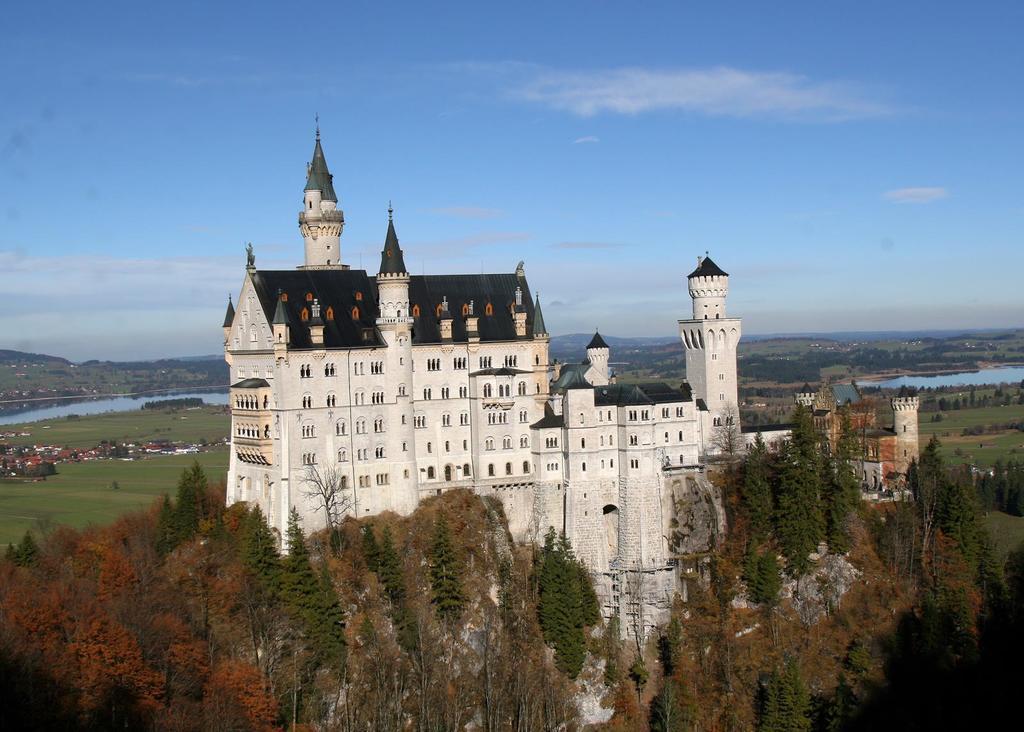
(188,425)
(1007,532)
(981,450)
(80,494)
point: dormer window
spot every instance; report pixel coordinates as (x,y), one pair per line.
(415,311)
(437,310)
(488,309)
(355,313)
(309,297)
(359,296)
(330,313)
(305,314)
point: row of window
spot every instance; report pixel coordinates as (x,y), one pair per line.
(506,442)
(252,430)
(246,401)
(446,393)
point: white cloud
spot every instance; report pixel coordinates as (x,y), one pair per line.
(468,212)
(586,140)
(916,195)
(720,91)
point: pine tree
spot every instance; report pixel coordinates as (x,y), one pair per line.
(564,605)
(389,569)
(785,705)
(259,549)
(798,518)
(445,582)
(25,553)
(371,552)
(757,489)
(166,533)
(188,508)
(842,492)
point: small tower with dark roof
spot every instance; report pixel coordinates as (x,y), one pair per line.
(597,355)
(710,339)
(229,319)
(540,330)
(320,221)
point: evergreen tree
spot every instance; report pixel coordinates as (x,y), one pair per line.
(785,704)
(564,606)
(757,489)
(25,553)
(166,532)
(389,569)
(445,581)
(842,492)
(799,523)
(188,508)
(371,552)
(259,549)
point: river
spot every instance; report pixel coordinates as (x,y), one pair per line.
(108,404)
(994,375)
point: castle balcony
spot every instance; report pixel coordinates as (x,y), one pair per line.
(321,217)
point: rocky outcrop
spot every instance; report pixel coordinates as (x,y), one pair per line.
(698,514)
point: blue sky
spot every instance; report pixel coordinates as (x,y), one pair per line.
(852,165)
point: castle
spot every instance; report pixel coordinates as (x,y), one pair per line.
(393,387)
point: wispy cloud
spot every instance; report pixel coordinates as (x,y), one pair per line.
(586,140)
(720,91)
(585,245)
(916,195)
(468,212)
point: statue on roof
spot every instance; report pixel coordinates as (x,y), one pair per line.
(250,258)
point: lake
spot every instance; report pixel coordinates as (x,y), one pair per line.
(108,404)
(995,375)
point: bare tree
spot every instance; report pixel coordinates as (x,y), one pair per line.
(727,438)
(326,487)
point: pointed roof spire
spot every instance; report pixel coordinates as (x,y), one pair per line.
(597,342)
(445,313)
(281,312)
(538,318)
(391,259)
(319,178)
(229,316)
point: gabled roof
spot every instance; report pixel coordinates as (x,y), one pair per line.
(572,376)
(229,316)
(846,393)
(319,177)
(391,259)
(597,342)
(549,420)
(499,371)
(707,268)
(498,290)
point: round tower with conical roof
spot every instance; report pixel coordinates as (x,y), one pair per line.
(710,339)
(320,220)
(597,355)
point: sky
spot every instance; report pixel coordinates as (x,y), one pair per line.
(852,165)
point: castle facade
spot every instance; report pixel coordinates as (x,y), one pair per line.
(392,387)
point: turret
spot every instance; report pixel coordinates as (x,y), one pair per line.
(445,322)
(472,324)
(904,421)
(281,326)
(316,325)
(709,286)
(229,319)
(392,277)
(321,221)
(806,395)
(539,329)
(597,354)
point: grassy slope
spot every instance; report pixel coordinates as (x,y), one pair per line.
(1007,531)
(211,423)
(80,494)
(981,450)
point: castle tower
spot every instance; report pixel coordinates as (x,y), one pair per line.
(320,220)
(395,324)
(904,422)
(597,354)
(806,395)
(710,339)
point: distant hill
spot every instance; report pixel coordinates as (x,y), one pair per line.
(7,356)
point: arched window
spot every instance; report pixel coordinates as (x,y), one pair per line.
(304,315)
(330,312)
(508,468)
(415,311)
(465,470)
(465,309)
(430,473)
(355,313)
(490,470)
(309,297)
(488,309)
(437,310)
(359,296)
(526,466)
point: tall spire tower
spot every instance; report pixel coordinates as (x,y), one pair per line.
(320,220)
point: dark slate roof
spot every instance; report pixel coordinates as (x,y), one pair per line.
(336,289)
(319,177)
(549,420)
(805,389)
(572,376)
(280,311)
(707,268)
(427,291)
(391,259)
(597,342)
(538,318)
(648,393)
(702,405)
(250,384)
(500,371)
(846,393)
(229,316)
